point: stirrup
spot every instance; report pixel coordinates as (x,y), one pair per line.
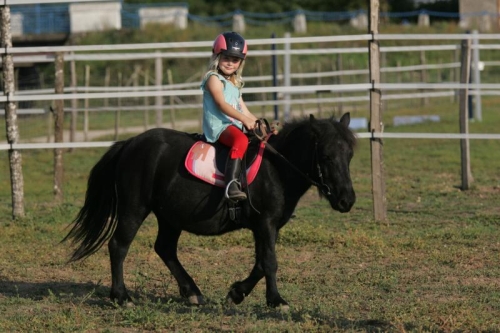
(243,196)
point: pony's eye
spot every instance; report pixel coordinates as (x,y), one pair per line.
(326,158)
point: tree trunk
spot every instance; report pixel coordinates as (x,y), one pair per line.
(58,130)
(15,157)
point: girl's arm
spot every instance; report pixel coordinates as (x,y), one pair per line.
(215,88)
(245,110)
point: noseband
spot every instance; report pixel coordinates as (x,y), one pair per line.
(325,189)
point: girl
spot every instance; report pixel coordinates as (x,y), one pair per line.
(224,112)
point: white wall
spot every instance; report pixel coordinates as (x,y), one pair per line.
(16,24)
(95,16)
(171,15)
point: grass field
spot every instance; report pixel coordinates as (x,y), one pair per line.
(433,266)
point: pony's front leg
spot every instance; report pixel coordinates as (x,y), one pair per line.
(239,290)
(266,266)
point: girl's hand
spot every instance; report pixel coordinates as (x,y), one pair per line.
(249,123)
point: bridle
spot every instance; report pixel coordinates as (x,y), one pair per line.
(263,132)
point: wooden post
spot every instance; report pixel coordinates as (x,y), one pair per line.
(423,78)
(74,102)
(383,78)
(200,100)
(287,79)
(340,80)
(58,129)
(107,78)
(398,73)
(498,14)
(318,94)
(376,125)
(117,112)
(86,105)
(476,77)
(135,79)
(301,81)
(146,100)
(158,83)
(11,126)
(456,56)
(263,95)
(172,100)
(352,79)
(464,114)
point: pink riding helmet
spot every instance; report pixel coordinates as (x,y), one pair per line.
(230,44)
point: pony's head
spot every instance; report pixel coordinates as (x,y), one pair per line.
(333,148)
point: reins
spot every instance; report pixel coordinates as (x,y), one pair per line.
(263,132)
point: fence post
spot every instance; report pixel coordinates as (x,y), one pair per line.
(477,77)
(376,125)
(423,77)
(118,109)
(287,81)
(274,65)
(158,82)
(74,101)
(172,98)
(146,100)
(59,129)
(318,93)
(263,95)
(11,126)
(107,78)
(86,105)
(464,114)
(340,81)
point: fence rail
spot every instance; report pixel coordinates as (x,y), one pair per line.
(340,92)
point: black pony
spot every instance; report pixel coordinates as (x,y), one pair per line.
(146,174)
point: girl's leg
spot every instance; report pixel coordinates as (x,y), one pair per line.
(238,143)
(235,139)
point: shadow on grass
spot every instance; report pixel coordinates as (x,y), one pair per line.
(95,294)
(90,293)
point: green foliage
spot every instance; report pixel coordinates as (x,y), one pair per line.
(219,7)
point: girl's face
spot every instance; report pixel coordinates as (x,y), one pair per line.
(228,65)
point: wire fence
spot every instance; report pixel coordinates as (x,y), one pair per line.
(54,18)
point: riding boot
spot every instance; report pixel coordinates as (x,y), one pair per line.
(232,173)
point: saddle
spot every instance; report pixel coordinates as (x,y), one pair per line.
(207,161)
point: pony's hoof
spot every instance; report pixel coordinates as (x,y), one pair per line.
(284,308)
(233,297)
(128,304)
(196,300)
(229,300)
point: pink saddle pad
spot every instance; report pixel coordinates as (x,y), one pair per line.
(200,162)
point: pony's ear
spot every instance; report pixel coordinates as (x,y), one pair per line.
(314,125)
(346,119)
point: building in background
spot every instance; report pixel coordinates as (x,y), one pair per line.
(483,15)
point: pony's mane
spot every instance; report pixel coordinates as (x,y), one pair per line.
(327,128)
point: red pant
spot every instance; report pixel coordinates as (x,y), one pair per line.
(234,138)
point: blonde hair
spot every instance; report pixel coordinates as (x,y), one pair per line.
(236,78)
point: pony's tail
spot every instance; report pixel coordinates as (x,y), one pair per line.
(97,219)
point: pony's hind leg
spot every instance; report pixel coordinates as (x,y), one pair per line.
(118,246)
(166,248)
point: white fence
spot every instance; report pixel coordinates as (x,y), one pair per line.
(373,87)
(73,53)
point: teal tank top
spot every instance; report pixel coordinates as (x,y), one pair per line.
(214,120)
